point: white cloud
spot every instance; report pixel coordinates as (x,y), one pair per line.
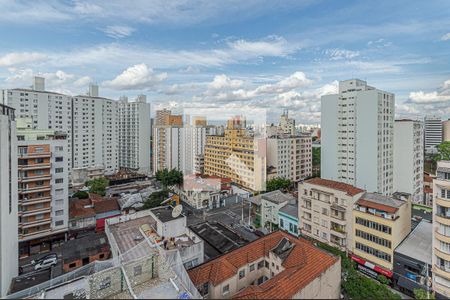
(224,82)
(87,8)
(16,58)
(118,31)
(270,46)
(137,77)
(338,54)
(82,81)
(445,37)
(33,11)
(439,96)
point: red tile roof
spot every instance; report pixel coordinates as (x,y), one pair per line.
(302,265)
(378,206)
(348,188)
(106,205)
(77,209)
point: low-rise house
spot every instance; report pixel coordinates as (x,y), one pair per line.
(412,260)
(204,191)
(271,203)
(276,266)
(325,210)
(288,218)
(82,251)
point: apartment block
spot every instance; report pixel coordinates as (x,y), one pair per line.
(276,266)
(433,133)
(380,224)
(357,136)
(134,134)
(287,125)
(325,211)
(441,230)
(43,181)
(408,158)
(9,260)
(237,155)
(291,156)
(446,131)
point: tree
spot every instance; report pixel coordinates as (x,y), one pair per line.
(98,185)
(169,178)
(316,156)
(422,294)
(81,195)
(278,183)
(155,199)
(443,150)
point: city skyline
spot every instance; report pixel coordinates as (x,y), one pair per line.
(234,55)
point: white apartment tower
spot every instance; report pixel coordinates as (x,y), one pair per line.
(441,231)
(433,133)
(287,125)
(9,259)
(408,158)
(291,156)
(134,134)
(357,128)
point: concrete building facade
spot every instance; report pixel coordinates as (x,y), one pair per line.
(357,136)
(433,133)
(446,131)
(408,158)
(287,125)
(9,260)
(134,134)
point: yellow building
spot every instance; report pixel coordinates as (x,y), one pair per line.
(380,223)
(237,155)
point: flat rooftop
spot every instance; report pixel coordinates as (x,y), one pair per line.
(165,214)
(29,280)
(419,243)
(380,202)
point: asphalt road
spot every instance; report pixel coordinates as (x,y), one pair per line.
(25,263)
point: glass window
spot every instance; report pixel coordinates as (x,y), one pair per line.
(226,289)
(241,274)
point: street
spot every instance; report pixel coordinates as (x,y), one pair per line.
(57,270)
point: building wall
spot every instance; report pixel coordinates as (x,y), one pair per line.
(329,139)
(446,131)
(433,133)
(290,224)
(408,158)
(9,260)
(269,212)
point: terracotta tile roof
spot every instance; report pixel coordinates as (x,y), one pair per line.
(302,265)
(348,188)
(378,206)
(77,209)
(106,205)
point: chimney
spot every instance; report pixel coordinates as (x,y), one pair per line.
(39,83)
(93,90)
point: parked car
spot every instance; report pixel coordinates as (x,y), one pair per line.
(249,227)
(46,263)
(49,255)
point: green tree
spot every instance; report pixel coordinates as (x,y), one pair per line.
(155,199)
(98,185)
(422,294)
(316,156)
(81,195)
(443,150)
(278,183)
(169,178)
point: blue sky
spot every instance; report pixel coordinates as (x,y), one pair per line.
(232,54)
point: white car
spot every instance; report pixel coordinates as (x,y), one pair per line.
(46,263)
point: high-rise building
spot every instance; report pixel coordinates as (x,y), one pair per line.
(441,231)
(43,182)
(134,134)
(446,131)
(287,125)
(237,155)
(357,136)
(380,223)
(433,133)
(48,110)
(9,260)
(95,132)
(408,158)
(291,156)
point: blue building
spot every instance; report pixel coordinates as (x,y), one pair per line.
(288,218)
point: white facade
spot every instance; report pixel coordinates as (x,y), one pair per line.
(291,156)
(433,133)
(408,158)
(134,134)
(287,125)
(441,230)
(358,136)
(9,252)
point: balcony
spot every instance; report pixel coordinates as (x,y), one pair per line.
(43,188)
(36,211)
(34,167)
(338,230)
(35,155)
(441,254)
(34,178)
(441,237)
(442,202)
(35,235)
(443,219)
(437,270)
(31,201)
(28,224)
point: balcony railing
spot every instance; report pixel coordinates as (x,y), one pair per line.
(34,154)
(34,166)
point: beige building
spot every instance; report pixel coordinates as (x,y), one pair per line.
(325,210)
(380,223)
(276,266)
(237,155)
(441,230)
(446,131)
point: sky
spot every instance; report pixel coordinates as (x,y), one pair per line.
(239,55)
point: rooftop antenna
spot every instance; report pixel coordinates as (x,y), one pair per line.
(176,212)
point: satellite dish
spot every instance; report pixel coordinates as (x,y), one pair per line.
(177,211)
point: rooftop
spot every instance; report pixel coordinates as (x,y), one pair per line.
(418,244)
(165,213)
(85,246)
(380,202)
(274,197)
(80,208)
(290,209)
(344,187)
(106,205)
(302,262)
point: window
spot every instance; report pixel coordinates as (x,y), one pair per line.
(59,212)
(252,267)
(59,159)
(374,225)
(226,289)
(204,289)
(59,180)
(59,170)
(241,274)
(72,265)
(266,264)
(59,223)
(137,270)
(373,238)
(325,211)
(281,223)
(373,251)
(261,264)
